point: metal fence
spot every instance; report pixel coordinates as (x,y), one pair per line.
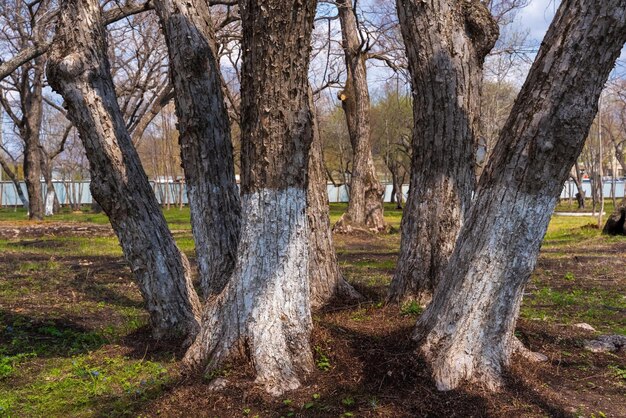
(570,190)
(174,193)
(74,192)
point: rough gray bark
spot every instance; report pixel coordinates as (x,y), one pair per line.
(206,147)
(446,65)
(365,207)
(79,70)
(466,333)
(263,314)
(326,280)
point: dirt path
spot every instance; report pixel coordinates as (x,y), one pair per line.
(25,229)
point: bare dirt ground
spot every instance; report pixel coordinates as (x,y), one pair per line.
(26,229)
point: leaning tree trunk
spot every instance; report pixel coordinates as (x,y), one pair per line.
(397,185)
(365,207)
(580,195)
(466,333)
(446,62)
(30,132)
(326,280)
(263,313)
(78,69)
(206,147)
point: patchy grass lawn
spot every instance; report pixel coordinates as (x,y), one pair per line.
(74,338)
(567,206)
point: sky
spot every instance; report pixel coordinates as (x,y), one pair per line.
(536,17)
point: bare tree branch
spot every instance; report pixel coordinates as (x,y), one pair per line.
(40,48)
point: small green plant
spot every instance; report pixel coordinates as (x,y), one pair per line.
(8,363)
(322,362)
(214,374)
(569,276)
(348,401)
(50,330)
(618,371)
(411,308)
(246,411)
(287,402)
(309,405)
(359,315)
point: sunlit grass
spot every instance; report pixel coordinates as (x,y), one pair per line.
(92,384)
(175,217)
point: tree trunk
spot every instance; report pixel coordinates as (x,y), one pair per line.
(206,147)
(52,204)
(578,180)
(30,132)
(365,207)
(615,224)
(79,70)
(466,333)
(326,280)
(396,192)
(263,314)
(446,61)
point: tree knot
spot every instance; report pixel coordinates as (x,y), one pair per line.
(480,27)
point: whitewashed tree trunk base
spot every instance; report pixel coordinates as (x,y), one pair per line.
(49,210)
(468,336)
(263,314)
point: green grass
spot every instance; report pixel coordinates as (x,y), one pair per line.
(176,218)
(84,385)
(411,309)
(179,218)
(564,206)
(66,215)
(603,309)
